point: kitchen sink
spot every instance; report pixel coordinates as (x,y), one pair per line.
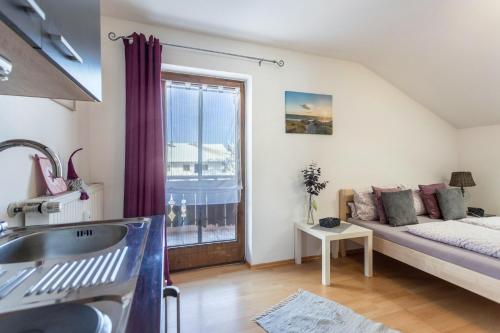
(49,244)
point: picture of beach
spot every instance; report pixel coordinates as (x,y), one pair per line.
(308,113)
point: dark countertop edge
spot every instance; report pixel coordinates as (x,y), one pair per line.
(145,313)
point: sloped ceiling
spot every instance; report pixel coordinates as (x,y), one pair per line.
(443,53)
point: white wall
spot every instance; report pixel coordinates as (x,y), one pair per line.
(41,120)
(479,154)
(381,136)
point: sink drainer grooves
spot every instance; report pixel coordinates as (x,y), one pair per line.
(87,272)
(8,286)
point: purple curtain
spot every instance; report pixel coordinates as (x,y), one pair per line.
(144,136)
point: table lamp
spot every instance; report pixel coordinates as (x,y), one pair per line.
(462,179)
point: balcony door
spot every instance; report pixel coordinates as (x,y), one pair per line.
(205,170)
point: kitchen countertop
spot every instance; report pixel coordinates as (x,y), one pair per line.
(145,314)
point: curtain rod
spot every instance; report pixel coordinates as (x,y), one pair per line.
(280,63)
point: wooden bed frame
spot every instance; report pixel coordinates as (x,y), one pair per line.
(478,283)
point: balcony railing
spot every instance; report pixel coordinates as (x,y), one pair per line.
(189,235)
(200,224)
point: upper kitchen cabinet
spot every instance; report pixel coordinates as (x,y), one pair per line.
(71,39)
(64,62)
(25,17)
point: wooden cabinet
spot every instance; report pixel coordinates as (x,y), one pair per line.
(66,37)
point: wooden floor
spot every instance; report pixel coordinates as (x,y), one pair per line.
(225,299)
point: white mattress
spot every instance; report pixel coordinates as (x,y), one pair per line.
(471,260)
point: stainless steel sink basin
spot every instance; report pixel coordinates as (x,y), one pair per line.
(50,244)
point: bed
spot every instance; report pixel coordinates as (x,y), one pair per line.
(472,271)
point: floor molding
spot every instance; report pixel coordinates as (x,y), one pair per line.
(292,261)
(282,262)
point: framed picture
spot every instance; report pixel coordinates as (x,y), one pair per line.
(307,113)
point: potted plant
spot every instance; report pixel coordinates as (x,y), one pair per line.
(314,186)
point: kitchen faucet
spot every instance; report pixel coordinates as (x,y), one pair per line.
(49,153)
(42,207)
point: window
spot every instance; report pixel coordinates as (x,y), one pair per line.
(203,138)
(203,131)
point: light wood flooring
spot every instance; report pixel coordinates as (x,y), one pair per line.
(225,299)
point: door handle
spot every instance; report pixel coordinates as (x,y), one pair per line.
(68,47)
(33,5)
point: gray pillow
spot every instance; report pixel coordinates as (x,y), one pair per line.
(399,208)
(451,203)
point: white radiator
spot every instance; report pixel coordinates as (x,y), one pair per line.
(72,208)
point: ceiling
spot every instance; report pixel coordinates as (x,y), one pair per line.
(444,54)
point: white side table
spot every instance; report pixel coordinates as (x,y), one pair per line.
(326,235)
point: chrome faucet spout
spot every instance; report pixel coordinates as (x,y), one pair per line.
(49,153)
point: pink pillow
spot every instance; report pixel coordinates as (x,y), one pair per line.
(377,192)
(428,195)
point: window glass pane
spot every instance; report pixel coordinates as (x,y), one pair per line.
(182,131)
(219,133)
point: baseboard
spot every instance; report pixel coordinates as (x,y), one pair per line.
(278,263)
(208,267)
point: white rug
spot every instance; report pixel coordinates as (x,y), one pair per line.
(307,312)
